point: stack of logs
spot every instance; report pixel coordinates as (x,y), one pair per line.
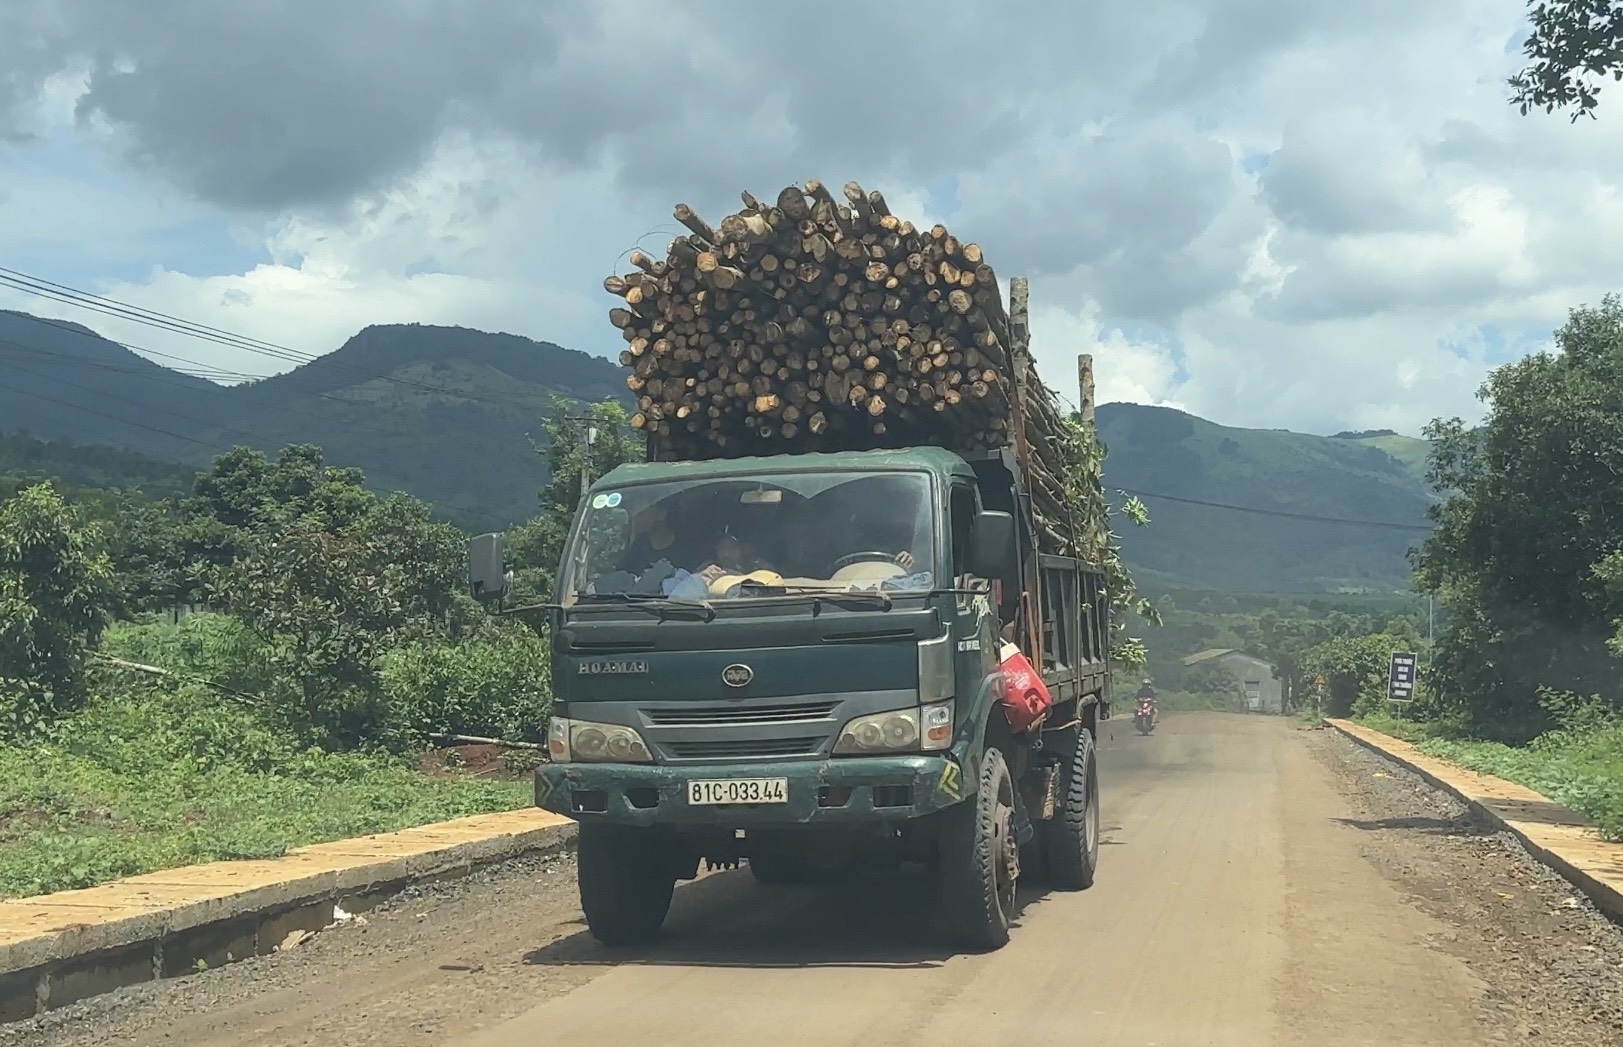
(811,324)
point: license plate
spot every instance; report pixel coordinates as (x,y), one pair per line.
(738,790)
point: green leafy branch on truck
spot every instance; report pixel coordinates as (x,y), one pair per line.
(1101,545)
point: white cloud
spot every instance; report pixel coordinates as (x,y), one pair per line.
(1124,369)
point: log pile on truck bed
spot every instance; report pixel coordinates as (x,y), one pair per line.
(811,323)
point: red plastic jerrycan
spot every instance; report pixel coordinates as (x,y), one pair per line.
(1025,697)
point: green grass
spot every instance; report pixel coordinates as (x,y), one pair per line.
(1412,452)
(1581,769)
(68,819)
(154,775)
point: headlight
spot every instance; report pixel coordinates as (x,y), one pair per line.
(903,730)
(579,741)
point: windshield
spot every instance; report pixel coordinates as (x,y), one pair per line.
(767,535)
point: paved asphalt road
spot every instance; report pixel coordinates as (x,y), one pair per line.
(1247,896)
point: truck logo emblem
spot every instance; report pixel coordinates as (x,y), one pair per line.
(612,668)
(737,675)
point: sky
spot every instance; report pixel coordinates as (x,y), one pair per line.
(1301,214)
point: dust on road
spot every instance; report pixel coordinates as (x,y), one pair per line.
(1259,884)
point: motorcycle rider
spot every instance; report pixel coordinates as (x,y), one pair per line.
(1147,690)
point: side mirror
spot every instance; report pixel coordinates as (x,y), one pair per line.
(992,550)
(488,577)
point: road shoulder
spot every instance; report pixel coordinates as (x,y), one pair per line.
(1561,838)
(60,948)
(1551,963)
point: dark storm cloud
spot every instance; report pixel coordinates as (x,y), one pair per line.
(307,104)
(1315,183)
(267,105)
(304,102)
(1129,206)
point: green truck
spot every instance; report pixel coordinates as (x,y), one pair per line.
(793,662)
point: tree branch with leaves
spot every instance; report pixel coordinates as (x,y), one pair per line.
(1574,48)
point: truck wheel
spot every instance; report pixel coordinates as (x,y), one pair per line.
(1071,837)
(626,882)
(980,859)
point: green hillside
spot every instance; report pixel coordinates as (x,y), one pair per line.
(1409,450)
(451,415)
(26,460)
(1273,476)
(445,413)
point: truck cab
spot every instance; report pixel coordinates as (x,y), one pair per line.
(793,662)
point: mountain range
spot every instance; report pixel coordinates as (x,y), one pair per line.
(451,415)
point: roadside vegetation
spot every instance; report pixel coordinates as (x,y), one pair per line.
(1579,767)
(1526,679)
(1343,639)
(253,666)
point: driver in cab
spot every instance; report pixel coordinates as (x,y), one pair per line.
(737,561)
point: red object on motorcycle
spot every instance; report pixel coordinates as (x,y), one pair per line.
(1025,697)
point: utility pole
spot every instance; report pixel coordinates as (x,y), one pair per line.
(586,456)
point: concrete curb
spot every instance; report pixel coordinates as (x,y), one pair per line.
(1560,838)
(56,949)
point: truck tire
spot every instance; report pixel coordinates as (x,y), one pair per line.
(1071,837)
(979,859)
(626,882)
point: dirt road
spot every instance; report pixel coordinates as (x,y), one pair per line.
(1260,884)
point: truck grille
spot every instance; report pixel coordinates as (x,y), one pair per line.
(732,715)
(740,748)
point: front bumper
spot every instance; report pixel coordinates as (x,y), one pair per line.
(831,792)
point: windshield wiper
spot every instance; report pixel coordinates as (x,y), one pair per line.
(819,594)
(657,605)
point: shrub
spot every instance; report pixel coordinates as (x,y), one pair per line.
(55,590)
(497,685)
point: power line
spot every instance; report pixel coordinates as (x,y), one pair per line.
(166,375)
(139,425)
(206,423)
(1280,513)
(160,375)
(118,310)
(65,294)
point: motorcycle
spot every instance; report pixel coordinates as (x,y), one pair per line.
(1145,716)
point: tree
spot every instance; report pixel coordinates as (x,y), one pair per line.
(537,545)
(1575,45)
(1347,664)
(1524,552)
(330,603)
(146,542)
(245,489)
(54,591)
(1091,516)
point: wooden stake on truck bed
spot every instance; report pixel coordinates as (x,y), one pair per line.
(1019,350)
(1084,375)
